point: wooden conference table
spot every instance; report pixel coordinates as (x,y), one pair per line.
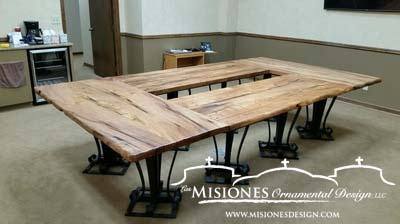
(130,123)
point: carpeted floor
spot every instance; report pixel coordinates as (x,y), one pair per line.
(43,153)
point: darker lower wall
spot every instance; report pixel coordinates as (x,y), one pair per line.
(132,55)
(142,54)
(145,54)
(384,65)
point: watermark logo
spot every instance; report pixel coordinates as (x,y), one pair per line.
(234,194)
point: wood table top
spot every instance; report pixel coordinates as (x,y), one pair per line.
(124,114)
(280,67)
(170,80)
(249,103)
(132,122)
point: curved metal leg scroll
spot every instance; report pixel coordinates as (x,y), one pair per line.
(241,144)
(216,150)
(307,116)
(328,131)
(170,171)
(278,149)
(293,146)
(139,168)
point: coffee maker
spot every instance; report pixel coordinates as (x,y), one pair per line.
(33,32)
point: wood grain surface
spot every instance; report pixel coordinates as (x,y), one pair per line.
(132,122)
(165,81)
(341,77)
(124,114)
(246,104)
(170,80)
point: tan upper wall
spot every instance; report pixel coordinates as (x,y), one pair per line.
(285,18)
(155,17)
(308,20)
(13,13)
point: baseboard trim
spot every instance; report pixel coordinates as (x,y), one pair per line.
(322,43)
(270,37)
(369,105)
(88,65)
(181,35)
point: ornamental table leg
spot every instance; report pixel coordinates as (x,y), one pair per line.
(312,129)
(106,162)
(221,176)
(278,149)
(155,195)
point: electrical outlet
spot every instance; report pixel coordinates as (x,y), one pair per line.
(365,88)
(55,20)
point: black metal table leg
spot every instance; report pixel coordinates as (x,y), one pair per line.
(312,129)
(172,95)
(220,176)
(106,162)
(267,76)
(155,195)
(278,149)
(224,85)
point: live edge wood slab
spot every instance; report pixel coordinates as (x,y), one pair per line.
(250,103)
(134,123)
(170,80)
(124,114)
(354,80)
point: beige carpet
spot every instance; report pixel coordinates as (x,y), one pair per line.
(43,154)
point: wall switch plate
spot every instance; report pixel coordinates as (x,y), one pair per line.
(365,88)
(55,20)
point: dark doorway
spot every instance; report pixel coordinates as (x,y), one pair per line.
(106,42)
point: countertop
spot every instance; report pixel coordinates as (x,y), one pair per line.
(32,47)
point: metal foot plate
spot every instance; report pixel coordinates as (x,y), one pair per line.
(322,134)
(153,209)
(274,151)
(100,166)
(220,176)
